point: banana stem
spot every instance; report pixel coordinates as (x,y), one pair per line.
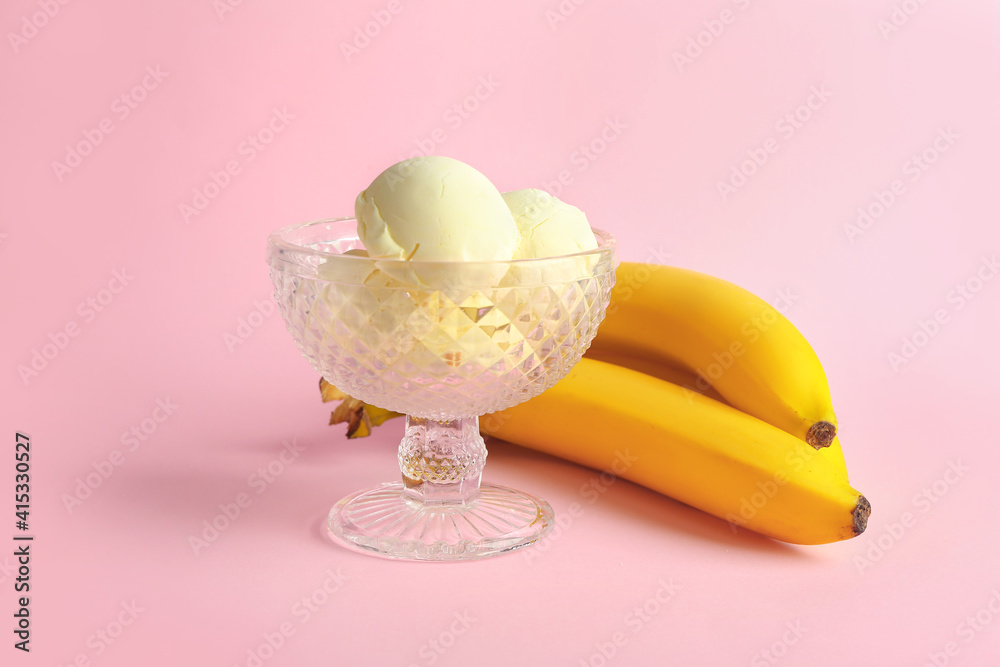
(861,513)
(821,434)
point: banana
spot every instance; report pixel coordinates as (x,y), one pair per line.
(692,448)
(720,337)
(686,379)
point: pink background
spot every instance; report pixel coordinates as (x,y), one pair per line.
(902,594)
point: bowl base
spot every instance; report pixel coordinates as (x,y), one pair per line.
(388,520)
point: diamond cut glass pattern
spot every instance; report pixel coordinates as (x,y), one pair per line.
(443,343)
(442,354)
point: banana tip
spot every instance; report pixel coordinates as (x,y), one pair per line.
(821,434)
(862,511)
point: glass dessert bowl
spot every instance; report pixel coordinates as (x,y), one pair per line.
(442,343)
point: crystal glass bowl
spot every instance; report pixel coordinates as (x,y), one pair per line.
(443,343)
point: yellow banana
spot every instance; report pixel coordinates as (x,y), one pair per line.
(721,336)
(686,379)
(692,448)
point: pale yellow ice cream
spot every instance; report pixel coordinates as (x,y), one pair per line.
(439,210)
(354,273)
(435,209)
(547,226)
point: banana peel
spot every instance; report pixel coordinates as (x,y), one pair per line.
(359,416)
(740,484)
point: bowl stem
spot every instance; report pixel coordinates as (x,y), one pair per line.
(442,462)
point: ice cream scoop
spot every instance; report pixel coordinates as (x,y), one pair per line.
(435,209)
(547,226)
(351,272)
(549,229)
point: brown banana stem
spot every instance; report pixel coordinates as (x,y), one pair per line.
(861,513)
(821,434)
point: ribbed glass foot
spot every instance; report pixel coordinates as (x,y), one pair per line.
(390,521)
